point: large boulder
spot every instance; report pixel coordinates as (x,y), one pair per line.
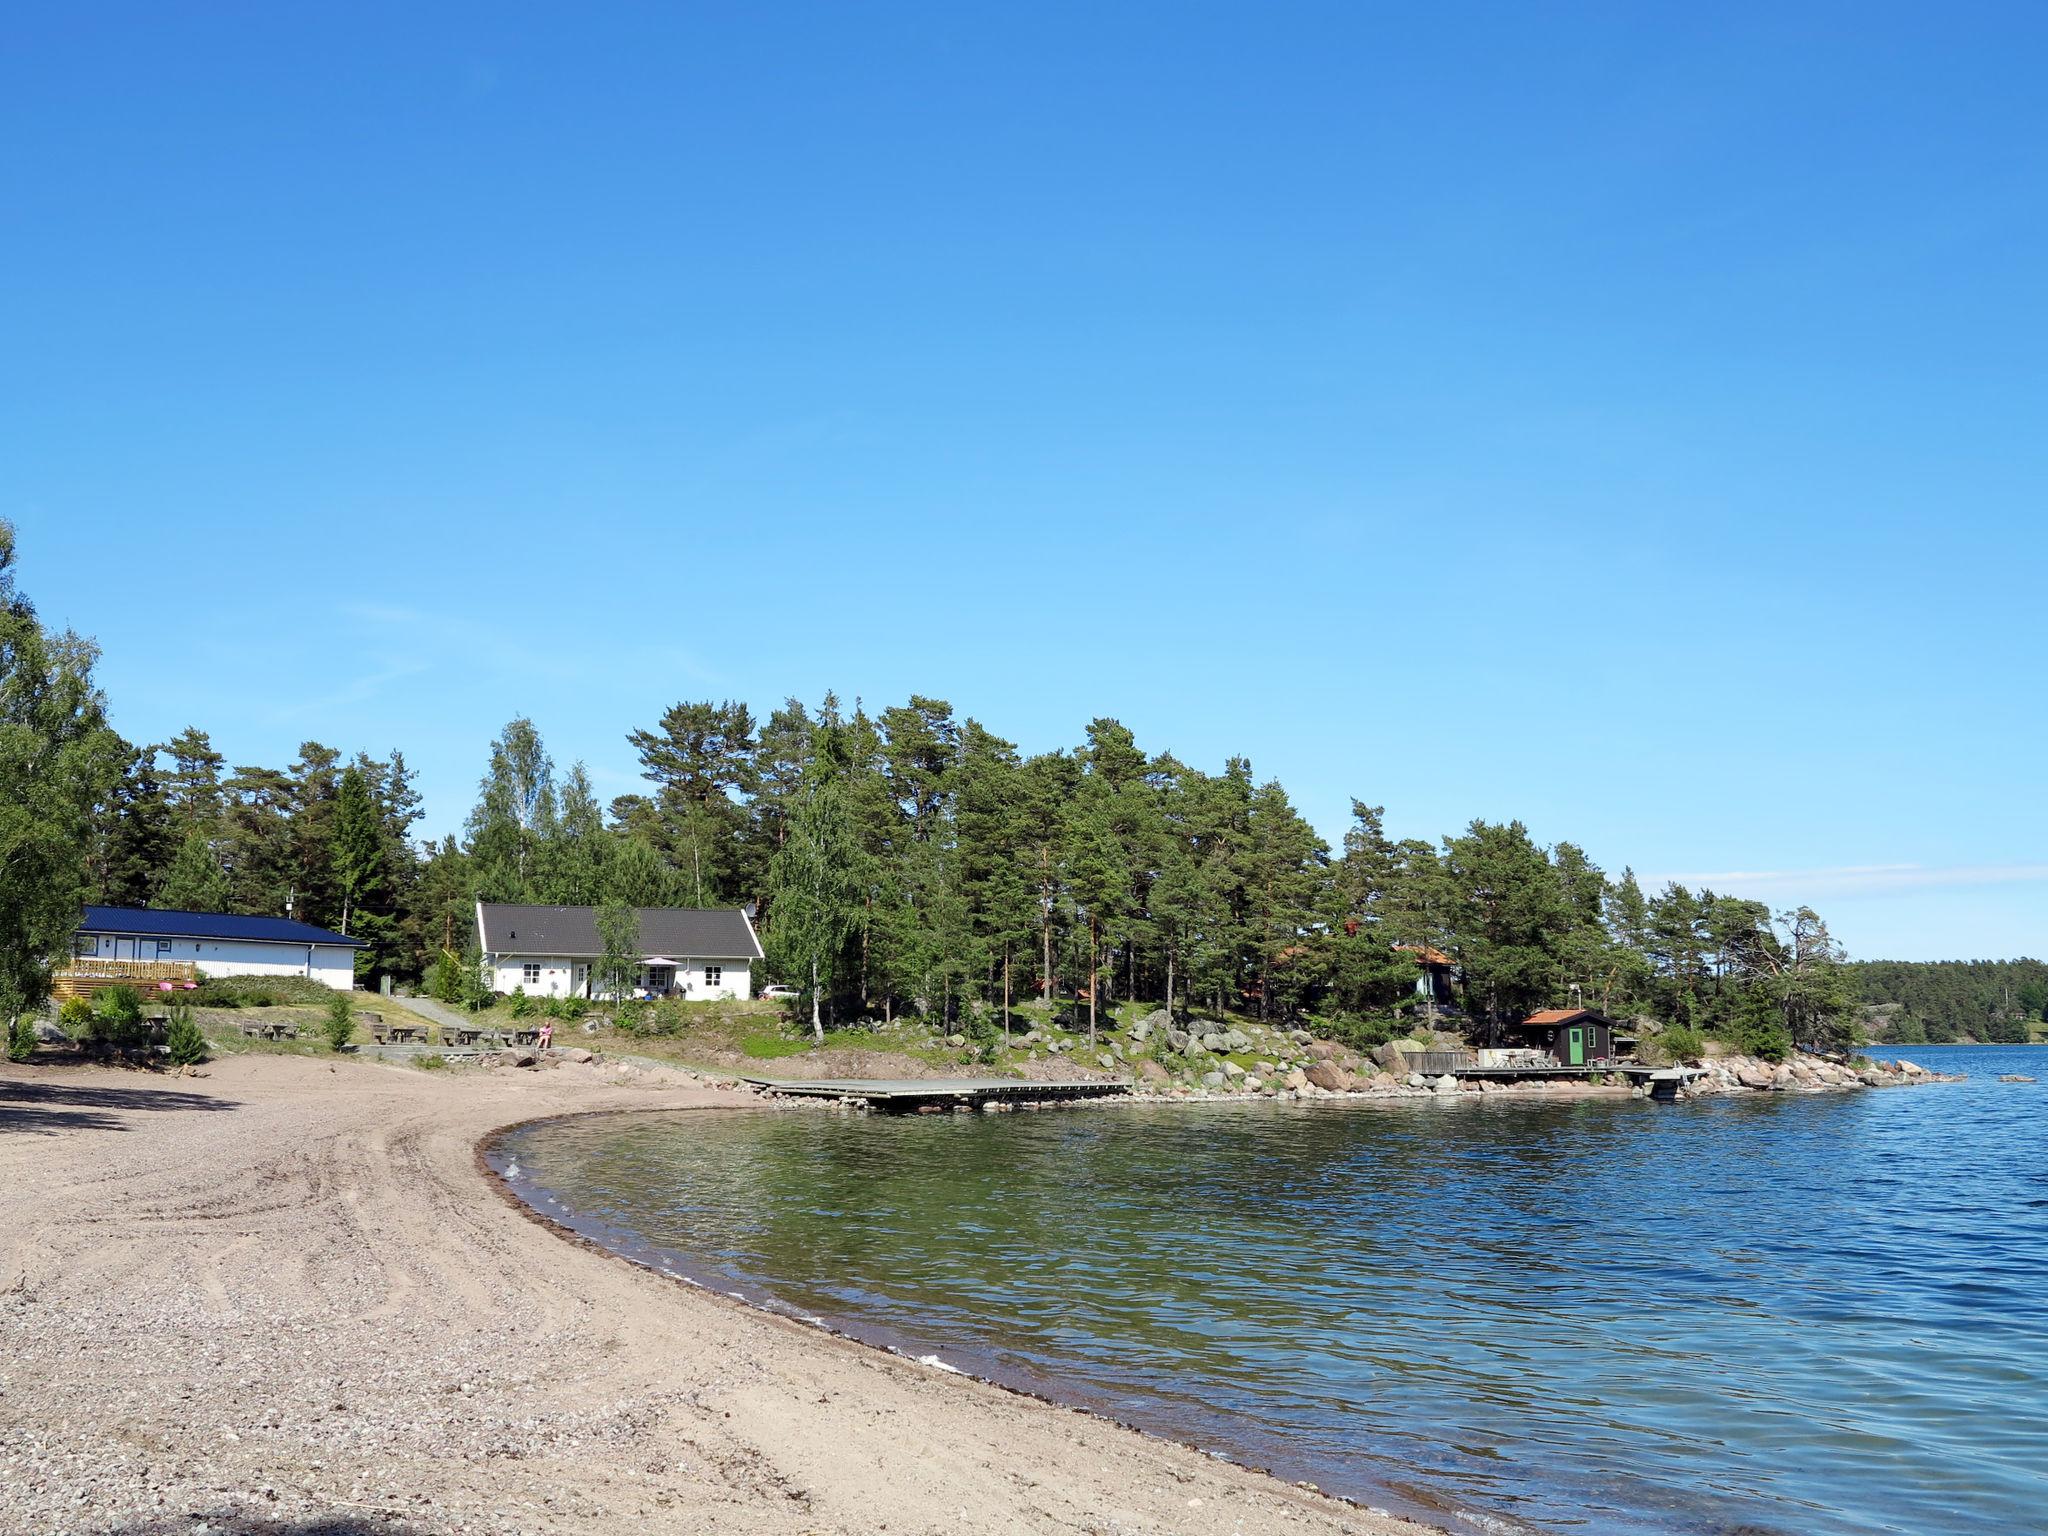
(1330,1077)
(1152,1072)
(1753,1074)
(1236,1040)
(1323,1050)
(574,1053)
(1177,1038)
(1232,1070)
(1389,1056)
(1212,1079)
(519,1056)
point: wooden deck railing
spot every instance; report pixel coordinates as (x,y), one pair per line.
(82,977)
(132,970)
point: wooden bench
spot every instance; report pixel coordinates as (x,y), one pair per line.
(394,1034)
(269,1029)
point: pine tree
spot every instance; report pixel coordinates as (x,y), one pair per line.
(195,882)
(701,761)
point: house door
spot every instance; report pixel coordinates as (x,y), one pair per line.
(1575,1047)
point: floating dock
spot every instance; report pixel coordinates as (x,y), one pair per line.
(925,1095)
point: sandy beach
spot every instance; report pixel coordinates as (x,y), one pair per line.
(284,1296)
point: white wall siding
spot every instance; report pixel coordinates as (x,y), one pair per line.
(561,976)
(330,964)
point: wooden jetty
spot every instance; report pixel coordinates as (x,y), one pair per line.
(928,1095)
(1663,1082)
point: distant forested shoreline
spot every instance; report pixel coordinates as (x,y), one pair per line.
(1942,1002)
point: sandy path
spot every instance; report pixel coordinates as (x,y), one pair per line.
(283,1296)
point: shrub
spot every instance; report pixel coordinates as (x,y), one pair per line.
(118,1005)
(575,1007)
(433,1061)
(186,1044)
(551,1008)
(1766,1039)
(259,992)
(1366,1034)
(522,1005)
(116,1017)
(1681,1044)
(73,1015)
(339,1026)
(21,1038)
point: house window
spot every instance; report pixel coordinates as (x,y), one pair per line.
(713,974)
(163,946)
(530,973)
(85,946)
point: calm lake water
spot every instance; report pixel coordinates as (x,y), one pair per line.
(1798,1315)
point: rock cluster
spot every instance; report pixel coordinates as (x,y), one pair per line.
(1805,1074)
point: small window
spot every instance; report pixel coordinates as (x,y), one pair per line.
(86,947)
(713,974)
(163,946)
(531,973)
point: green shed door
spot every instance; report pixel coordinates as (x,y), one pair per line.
(1575,1043)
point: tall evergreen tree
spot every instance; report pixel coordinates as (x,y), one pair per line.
(195,882)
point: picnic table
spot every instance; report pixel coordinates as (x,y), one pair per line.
(269,1029)
(396,1034)
(461,1034)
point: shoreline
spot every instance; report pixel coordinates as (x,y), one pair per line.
(648,1258)
(280,1293)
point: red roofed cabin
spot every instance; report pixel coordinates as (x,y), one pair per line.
(1572,1037)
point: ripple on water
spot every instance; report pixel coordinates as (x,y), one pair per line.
(1801,1314)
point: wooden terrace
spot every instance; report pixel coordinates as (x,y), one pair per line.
(83,977)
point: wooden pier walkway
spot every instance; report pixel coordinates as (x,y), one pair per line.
(926,1094)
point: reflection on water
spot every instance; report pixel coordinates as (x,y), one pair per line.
(1791,1314)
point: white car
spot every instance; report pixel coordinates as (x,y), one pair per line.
(780,992)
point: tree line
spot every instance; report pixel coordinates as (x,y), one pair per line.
(1938,1002)
(911,859)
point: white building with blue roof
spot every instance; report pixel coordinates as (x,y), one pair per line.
(219,943)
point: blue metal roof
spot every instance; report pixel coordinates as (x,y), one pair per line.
(150,922)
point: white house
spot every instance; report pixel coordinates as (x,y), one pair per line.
(219,943)
(690,952)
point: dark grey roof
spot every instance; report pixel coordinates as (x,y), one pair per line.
(160,923)
(685,933)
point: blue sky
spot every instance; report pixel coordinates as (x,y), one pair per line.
(1626,418)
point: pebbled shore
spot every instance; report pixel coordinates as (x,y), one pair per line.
(282,1296)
